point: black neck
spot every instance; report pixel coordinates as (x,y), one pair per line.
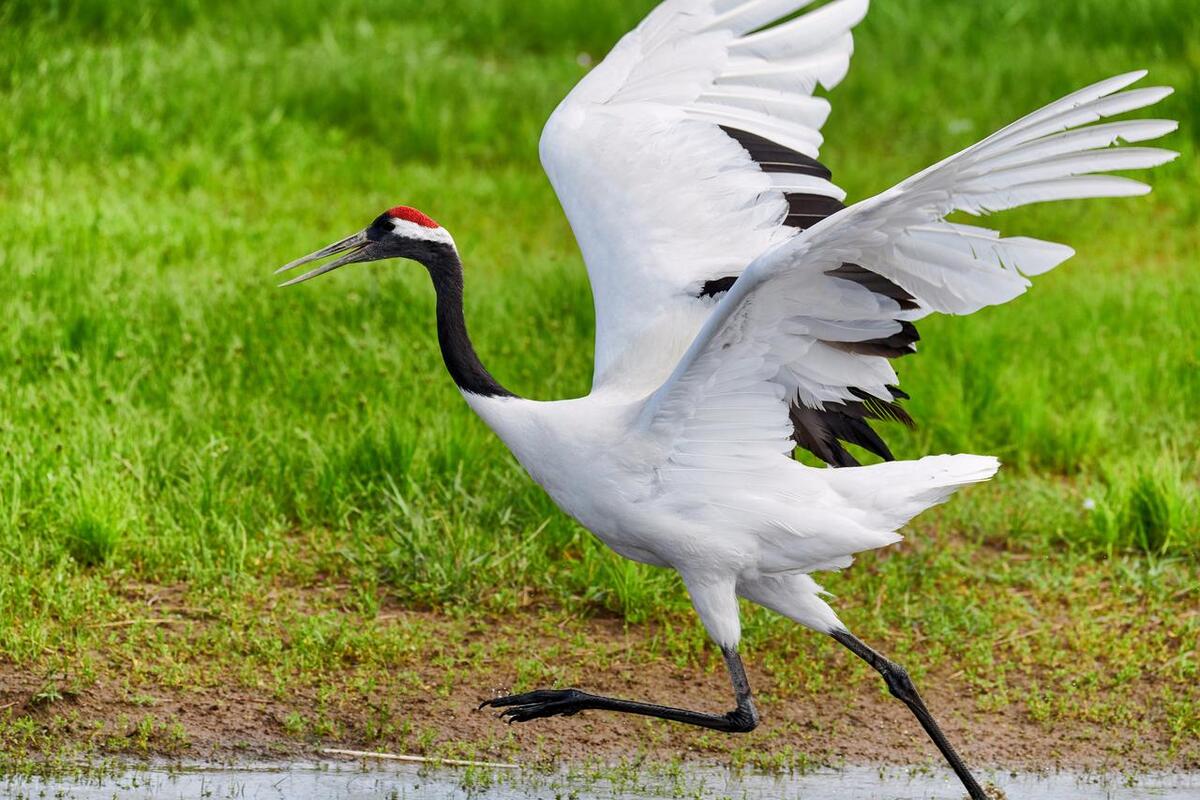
(457,351)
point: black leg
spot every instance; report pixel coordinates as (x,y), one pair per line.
(566,702)
(902,688)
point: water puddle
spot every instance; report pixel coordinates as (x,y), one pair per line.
(348,781)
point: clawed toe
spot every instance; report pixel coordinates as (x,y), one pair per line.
(532,711)
(537,705)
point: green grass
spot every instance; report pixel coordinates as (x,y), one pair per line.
(167,417)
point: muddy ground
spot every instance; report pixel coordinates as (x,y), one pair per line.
(427,705)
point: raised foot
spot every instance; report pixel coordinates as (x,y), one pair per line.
(539,704)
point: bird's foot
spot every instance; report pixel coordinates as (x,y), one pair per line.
(539,705)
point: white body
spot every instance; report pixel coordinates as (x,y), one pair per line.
(753,533)
(681,456)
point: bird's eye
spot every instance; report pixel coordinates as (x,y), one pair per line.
(380,228)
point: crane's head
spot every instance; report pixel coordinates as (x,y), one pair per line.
(401,232)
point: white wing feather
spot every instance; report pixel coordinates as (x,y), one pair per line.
(773,339)
(660,198)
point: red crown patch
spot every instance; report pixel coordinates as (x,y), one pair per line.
(412,215)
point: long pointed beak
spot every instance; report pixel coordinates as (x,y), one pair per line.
(357,248)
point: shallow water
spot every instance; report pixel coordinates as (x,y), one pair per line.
(347,781)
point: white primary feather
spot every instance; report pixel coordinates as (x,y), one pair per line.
(901,234)
(660,198)
(803,35)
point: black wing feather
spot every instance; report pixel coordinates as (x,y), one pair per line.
(822,431)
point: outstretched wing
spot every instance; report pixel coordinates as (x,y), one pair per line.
(687,153)
(805,330)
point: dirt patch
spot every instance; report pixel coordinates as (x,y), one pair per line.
(424,702)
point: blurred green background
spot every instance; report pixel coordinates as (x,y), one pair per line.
(167,416)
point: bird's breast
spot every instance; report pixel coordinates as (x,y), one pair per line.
(586,455)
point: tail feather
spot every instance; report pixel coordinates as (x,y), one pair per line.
(895,492)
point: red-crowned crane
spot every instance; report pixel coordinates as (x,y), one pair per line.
(742,310)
